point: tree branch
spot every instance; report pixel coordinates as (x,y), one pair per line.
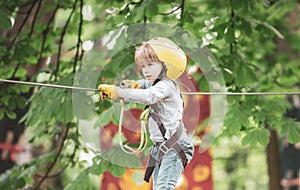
(79,42)
(171,12)
(65,167)
(34,19)
(182,6)
(232,15)
(65,135)
(22,25)
(17,34)
(45,31)
(62,39)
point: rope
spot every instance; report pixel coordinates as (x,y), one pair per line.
(143,139)
(183,93)
(48,85)
(240,93)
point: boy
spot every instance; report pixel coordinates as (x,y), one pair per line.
(162,62)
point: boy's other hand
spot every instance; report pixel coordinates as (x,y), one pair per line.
(129,84)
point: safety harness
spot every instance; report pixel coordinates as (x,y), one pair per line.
(166,145)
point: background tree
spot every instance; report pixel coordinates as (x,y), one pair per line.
(44,43)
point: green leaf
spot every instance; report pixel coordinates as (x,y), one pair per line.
(1,114)
(5,22)
(118,157)
(65,114)
(152,8)
(81,182)
(83,106)
(98,168)
(11,103)
(105,117)
(21,72)
(244,75)
(259,117)
(236,118)
(116,170)
(294,133)
(10,114)
(229,35)
(263,136)
(220,29)
(236,4)
(31,60)
(248,140)
(256,136)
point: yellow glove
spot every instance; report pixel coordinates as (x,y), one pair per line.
(107,91)
(129,84)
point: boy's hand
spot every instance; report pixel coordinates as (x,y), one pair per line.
(129,84)
(107,91)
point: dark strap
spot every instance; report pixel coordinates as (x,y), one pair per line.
(165,147)
(150,167)
(172,142)
(160,125)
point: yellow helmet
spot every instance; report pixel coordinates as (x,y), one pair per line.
(169,53)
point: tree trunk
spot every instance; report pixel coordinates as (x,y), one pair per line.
(273,151)
(273,162)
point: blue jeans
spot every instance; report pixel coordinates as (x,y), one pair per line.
(166,175)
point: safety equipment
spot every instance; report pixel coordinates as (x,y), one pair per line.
(107,91)
(143,139)
(129,84)
(170,54)
(165,146)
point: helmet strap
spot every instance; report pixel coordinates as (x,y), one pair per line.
(161,75)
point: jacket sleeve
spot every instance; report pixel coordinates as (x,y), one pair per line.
(150,95)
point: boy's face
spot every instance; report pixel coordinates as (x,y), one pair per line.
(151,70)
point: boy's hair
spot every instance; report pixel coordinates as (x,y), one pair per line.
(145,53)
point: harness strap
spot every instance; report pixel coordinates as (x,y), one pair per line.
(172,143)
(150,167)
(166,146)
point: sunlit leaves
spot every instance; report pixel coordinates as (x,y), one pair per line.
(292,129)
(244,75)
(256,136)
(236,118)
(50,103)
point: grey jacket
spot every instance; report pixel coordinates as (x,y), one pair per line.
(165,95)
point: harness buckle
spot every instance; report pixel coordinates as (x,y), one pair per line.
(164,148)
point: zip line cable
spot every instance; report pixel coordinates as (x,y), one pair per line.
(48,85)
(183,93)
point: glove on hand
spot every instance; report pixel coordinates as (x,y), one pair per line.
(107,91)
(129,84)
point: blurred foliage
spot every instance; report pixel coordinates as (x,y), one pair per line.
(241,35)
